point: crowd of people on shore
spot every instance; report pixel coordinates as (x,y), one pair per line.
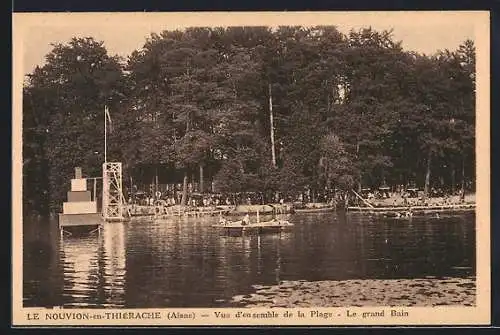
(415,197)
(384,196)
(205,200)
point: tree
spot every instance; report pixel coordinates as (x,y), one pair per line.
(348,110)
(336,164)
(66,98)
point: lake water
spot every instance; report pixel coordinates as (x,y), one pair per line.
(187,263)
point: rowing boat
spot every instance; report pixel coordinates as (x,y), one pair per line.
(315,210)
(274,225)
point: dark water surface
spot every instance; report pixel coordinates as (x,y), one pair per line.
(186,263)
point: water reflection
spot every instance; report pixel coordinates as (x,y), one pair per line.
(42,279)
(114,262)
(186,263)
(94,268)
(79,257)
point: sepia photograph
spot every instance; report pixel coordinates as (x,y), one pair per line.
(251,167)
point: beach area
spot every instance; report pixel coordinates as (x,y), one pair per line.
(396,200)
(422,292)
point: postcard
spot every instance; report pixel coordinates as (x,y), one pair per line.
(251,168)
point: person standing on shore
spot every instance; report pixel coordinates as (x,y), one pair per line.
(462,195)
(246,219)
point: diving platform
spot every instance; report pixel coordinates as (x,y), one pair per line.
(78,220)
(81,208)
(113,208)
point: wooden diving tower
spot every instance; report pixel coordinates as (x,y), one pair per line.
(112,192)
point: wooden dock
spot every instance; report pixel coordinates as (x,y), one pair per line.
(424,209)
(166,212)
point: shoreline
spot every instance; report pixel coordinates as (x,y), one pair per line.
(421,292)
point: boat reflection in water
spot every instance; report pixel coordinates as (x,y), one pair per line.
(94,268)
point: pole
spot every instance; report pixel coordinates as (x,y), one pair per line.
(362,199)
(105,135)
(156,182)
(272,126)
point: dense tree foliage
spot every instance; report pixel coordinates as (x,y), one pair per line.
(63,118)
(348,111)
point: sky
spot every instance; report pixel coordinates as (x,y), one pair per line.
(122,33)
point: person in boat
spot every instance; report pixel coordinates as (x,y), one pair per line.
(246,220)
(407,214)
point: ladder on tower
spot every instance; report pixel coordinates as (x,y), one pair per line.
(112,193)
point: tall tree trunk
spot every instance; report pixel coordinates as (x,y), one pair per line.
(201,178)
(185,179)
(184,189)
(271,125)
(152,187)
(328,104)
(359,175)
(463,176)
(428,175)
(452,178)
(156,181)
